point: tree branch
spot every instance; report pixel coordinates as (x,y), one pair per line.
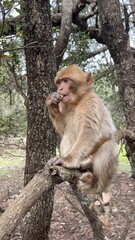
(43,181)
(91,214)
(65,30)
(3,18)
(98,51)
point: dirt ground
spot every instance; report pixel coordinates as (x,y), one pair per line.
(68,221)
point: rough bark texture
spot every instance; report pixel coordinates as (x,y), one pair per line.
(91,214)
(41,139)
(116,38)
(42,182)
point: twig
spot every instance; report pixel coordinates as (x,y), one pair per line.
(20,48)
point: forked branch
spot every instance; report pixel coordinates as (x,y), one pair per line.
(43,181)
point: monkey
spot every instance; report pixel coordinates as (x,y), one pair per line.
(86,128)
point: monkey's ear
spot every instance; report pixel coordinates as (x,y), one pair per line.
(89,79)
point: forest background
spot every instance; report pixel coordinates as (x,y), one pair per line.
(97,36)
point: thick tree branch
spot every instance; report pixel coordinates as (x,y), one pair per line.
(65,30)
(43,181)
(91,215)
(98,51)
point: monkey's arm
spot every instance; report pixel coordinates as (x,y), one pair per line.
(52,103)
(81,151)
(88,133)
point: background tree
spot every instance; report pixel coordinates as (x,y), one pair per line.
(81,31)
(116,38)
(41,138)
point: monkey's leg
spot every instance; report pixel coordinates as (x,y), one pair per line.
(104,168)
(87,182)
(105,164)
(105,199)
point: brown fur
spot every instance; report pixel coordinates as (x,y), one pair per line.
(86,128)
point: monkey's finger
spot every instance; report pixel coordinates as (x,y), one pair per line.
(52,161)
(55,100)
(59,162)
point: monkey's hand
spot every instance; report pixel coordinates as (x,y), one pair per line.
(55,161)
(64,162)
(53,100)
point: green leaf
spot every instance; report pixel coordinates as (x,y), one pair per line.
(20,11)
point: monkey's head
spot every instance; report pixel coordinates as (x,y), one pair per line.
(72,83)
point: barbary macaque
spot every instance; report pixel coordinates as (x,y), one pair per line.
(86,129)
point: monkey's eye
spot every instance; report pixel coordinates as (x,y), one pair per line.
(66,80)
(58,82)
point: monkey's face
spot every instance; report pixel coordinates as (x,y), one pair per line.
(66,89)
(72,83)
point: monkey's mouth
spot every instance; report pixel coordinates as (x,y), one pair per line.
(64,97)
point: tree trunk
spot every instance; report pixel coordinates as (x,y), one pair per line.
(41,138)
(42,182)
(117,40)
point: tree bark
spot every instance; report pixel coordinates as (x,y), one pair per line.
(41,138)
(117,40)
(42,182)
(91,214)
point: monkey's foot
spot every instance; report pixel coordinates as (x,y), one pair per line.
(87,183)
(106,198)
(87,163)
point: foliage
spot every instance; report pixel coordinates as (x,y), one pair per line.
(12,117)
(12,74)
(123,160)
(8,164)
(79,46)
(77,49)
(106,86)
